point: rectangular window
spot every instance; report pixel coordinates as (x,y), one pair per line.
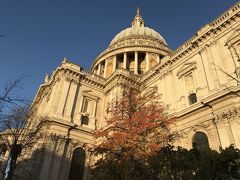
(192,98)
(85,119)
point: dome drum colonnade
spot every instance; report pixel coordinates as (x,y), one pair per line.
(135,49)
(136,62)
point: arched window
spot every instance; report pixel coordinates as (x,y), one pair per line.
(77,165)
(200,141)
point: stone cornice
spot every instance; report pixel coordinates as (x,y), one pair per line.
(93,80)
(122,76)
(66,124)
(209,30)
(76,74)
(70,72)
(133,38)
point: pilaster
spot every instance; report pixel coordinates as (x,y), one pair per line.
(52,98)
(63,97)
(70,99)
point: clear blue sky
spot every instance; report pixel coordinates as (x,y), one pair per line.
(35,35)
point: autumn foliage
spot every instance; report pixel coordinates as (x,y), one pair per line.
(137,128)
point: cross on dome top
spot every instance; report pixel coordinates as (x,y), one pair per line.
(138,20)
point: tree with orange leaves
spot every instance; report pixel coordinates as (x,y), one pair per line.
(137,128)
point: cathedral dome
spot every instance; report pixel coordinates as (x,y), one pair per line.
(135,49)
(138,32)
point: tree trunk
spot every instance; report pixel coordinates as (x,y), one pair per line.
(14,154)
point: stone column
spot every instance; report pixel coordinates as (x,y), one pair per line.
(114,63)
(158,58)
(136,62)
(99,68)
(125,61)
(105,68)
(147,61)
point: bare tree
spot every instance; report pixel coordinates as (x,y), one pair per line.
(19,133)
(9,98)
(18,129)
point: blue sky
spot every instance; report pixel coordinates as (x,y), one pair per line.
(35,35)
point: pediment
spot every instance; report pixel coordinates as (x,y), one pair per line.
(189,66)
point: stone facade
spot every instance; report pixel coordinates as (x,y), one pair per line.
(198,84)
